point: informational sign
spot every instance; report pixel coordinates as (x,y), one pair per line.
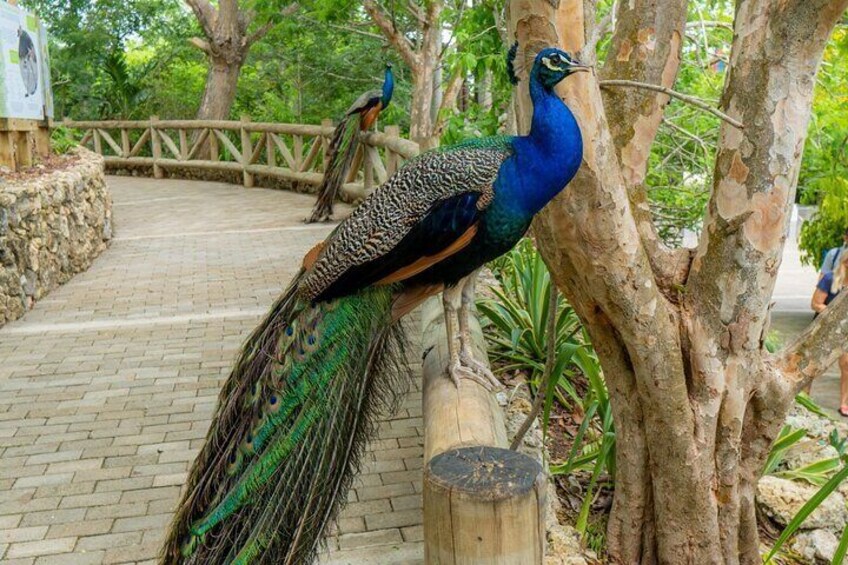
(24,68)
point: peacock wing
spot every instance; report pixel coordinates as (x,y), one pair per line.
(364,102)
(427,208)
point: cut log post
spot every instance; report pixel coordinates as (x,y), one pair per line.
(156,147)
(246,152)
(482,502)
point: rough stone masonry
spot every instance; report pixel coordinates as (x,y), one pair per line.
(52,226)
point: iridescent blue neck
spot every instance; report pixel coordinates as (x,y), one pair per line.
(388,87)
(549,156)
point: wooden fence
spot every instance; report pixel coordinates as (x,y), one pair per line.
(292,152)
(22,140)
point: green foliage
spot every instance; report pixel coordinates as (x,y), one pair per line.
(63,139)
(839,554)
(824,231)
(784,440)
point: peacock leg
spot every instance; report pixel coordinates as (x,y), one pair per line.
(449,299)
(466,353)
(457,368)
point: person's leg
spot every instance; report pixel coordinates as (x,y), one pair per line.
(843,384)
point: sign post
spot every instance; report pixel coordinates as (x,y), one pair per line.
(26,99)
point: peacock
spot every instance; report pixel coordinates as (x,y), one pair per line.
(359,117)
(303,397)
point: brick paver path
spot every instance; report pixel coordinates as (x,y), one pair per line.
(107,386)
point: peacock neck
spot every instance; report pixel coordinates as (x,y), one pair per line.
(549,156)
(388,87)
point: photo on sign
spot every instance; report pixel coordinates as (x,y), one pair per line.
(24,78)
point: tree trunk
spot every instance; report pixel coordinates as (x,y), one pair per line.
(420,115)
(696,399)
(422,123)
(220,90)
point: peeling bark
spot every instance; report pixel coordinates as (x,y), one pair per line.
(696,399)
(644,48)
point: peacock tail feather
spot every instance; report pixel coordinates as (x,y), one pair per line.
(289,430)
(342,149)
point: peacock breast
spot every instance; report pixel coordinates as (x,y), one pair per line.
(501,228)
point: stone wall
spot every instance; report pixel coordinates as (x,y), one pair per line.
(52,225)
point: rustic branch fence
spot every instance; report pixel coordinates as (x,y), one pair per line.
(292,152)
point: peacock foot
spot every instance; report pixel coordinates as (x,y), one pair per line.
(469,368)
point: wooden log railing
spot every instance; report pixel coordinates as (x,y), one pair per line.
(292,152)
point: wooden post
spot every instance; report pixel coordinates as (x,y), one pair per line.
(42,138)
(482,503)
(125,143)
(156,143)
(183,144)
(24,147)
(213,145)
(325,145)
(270,150)
(481,506)
(7,150)
(298,152)
(246,152)
(98,142)
(392,159)
(368,170)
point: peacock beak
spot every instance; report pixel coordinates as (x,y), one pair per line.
(580,68)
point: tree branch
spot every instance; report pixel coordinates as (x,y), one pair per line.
(756,169)
(645,47)
(401,43)
(696,102)
(206,16)
(349,29)
(269,25)
(449,99)
(588,54)
(416,12)
(201,44)
(818,347)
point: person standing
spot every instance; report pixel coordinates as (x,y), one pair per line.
(829,286)
(832,257)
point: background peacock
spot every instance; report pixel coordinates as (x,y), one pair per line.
(294,414)
(359,117)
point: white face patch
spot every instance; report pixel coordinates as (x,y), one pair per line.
(551,66)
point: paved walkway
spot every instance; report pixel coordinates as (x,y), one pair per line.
(107,386)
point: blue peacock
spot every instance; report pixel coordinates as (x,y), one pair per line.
(302,399)
(359,117)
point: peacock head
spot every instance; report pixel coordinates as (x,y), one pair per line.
(552,65)
(549,68)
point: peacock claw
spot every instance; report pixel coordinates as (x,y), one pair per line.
(471,369)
